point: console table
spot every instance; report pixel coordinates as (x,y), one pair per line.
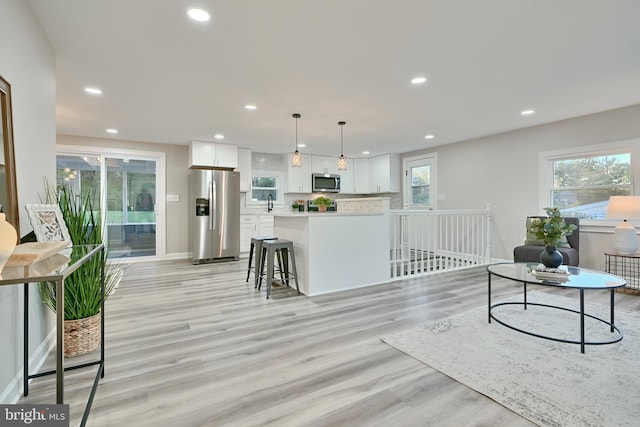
(56,269)
(578,278)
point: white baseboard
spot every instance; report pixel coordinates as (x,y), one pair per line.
(184,255)
(13,392)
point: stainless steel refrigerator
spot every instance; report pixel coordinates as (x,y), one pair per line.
(214,210)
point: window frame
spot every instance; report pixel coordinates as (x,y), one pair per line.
(278,176)
(546,177)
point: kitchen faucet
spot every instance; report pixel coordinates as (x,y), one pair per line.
(269,203)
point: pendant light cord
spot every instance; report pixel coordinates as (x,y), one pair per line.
(341,137)
(296,116)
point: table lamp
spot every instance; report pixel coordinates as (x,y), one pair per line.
(625,241)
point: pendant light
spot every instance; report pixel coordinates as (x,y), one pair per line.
(296,159)
(342,160)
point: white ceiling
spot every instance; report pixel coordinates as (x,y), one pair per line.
(168,79)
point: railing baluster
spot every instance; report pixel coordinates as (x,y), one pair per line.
(424,242)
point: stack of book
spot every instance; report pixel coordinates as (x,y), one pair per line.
(560,274)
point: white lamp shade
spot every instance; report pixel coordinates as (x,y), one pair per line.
(625,240)
(623,207)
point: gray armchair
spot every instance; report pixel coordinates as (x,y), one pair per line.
(571,254)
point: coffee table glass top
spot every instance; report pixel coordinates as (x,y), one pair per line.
(582,278)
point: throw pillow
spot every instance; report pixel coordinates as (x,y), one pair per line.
(532,240)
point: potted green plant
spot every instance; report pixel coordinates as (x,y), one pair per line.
(82,298)
(552,230)
(322,203)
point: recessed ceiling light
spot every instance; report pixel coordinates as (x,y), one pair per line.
(112,131)
(418,80)
(198,15)
(250,107)
(302,145)
(218,136)
(366,152)
(527,112)
(93,90)
(429,137)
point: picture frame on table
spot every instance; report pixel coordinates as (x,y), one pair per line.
(48,223)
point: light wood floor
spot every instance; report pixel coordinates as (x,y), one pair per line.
(197,346)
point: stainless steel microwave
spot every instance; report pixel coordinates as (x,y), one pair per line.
(325,183)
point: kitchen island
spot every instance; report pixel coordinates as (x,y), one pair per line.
(337,251)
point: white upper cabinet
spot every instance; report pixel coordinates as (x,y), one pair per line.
(347,179)
(211,154)
(298,178)
(324,164)
(244,167)
(384,174)
(360,176)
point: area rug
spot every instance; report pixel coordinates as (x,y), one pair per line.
(547,382)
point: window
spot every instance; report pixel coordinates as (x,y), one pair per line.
(582,186)
(420,179)
(419,182)
(581,182)
(264,184)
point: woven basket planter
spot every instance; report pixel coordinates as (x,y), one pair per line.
(81,336)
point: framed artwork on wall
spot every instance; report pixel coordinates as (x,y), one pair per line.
(48,223)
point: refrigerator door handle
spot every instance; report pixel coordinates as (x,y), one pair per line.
(213,203)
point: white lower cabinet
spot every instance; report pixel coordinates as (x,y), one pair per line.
(248,229)
(254,226)
(265,226)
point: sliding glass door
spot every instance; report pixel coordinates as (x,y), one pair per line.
(131,207)
(125,190)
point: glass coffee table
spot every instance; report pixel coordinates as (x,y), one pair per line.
(578,278)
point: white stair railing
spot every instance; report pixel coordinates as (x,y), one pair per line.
(428,241)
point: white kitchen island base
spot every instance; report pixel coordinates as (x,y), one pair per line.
(337,251)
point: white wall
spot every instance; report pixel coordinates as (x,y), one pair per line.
(503,170)
(27,62)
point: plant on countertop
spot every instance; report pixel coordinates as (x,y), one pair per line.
(553,229)
(82,287)
(322,201)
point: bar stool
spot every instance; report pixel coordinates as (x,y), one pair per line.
(283,249)
(256,244)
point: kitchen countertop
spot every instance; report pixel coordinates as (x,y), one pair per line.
(318,214)
(307,213)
